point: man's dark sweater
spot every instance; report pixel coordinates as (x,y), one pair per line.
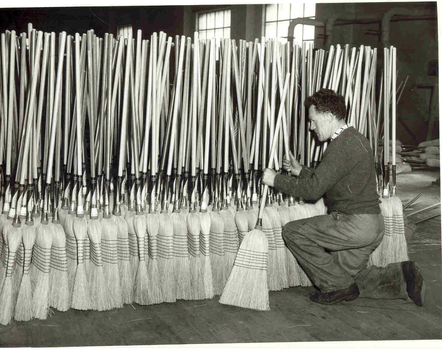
(346,175)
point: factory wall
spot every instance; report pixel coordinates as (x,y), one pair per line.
(417,45)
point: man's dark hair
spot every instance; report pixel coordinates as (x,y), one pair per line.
(327,100)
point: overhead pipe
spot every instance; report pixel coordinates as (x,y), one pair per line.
(301,20)
(386,19)
(371,17)
(353,18)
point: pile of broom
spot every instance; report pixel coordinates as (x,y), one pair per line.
(131,168)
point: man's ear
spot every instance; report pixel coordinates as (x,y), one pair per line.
(329,117)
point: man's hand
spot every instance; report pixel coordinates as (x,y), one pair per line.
(291,164)
(268,177)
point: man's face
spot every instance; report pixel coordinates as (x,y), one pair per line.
(319,123)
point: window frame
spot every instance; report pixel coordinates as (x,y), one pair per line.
(214,11)
(265,22)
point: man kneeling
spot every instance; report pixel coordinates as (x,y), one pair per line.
(334,249)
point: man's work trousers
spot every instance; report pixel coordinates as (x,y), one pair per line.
(334,250)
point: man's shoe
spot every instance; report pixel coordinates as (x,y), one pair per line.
(330,298)
(415,282)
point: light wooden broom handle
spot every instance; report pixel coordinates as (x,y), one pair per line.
(273,148)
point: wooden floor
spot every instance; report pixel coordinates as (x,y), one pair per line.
(293,317)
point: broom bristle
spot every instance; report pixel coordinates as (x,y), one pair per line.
(109,250)
(126,280)
(59,288)
(81,298)
(272,272)
(281,254)
(399,241)
(206,262)
(165,255)
(196,271)
(292,264)
(216,246)
(71,249)
(18,272)
(133,245)
(242,223)
(230,240)
(155,292)
(14,237)
(181,257)
(247,284)
(42,251)
(297,212)
(23,308)
(141,281)
(101,298)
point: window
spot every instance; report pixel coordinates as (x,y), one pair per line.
(277,19)
(124,31)
(215,24)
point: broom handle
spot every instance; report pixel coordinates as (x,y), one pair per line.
(284,121)
(273,147)
(194,102)
(209,107)
(176,104)
(393,110)
(386,107)
(149,115)
(328,67)
(227,104)
(10,104)
(240,111)
(55,107)
(31,99)
(125,108)
(184,115)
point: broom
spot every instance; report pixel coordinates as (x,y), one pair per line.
(59,294)
(399,240)
(109,224)
(81,298)
(247,284)
(180,250)
(45,231)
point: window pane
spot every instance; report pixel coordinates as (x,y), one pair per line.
(210,20)
(227,33)
(296,11)
(284,11)
(298,33)
(271,11)
(309,9)
(283,28)
(210,34)
(202,21)
(271,30)
(219,19)
(309,33)
(219,33)
(227,18)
